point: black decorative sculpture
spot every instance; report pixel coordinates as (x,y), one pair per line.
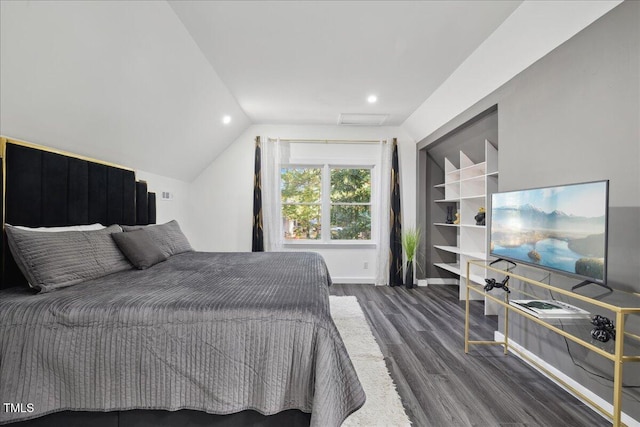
(491,283)
(604,329)
(449,214)
(481,217)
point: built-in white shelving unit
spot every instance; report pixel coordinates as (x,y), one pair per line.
(468,188)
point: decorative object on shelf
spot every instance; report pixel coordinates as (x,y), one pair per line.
(449,215)
(457,220)
(481,217)
(604,329)
(491,283)
(410,242)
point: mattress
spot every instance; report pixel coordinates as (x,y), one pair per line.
(215,332)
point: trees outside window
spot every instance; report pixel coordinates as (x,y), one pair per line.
(350,204)
(301,191)
(320,198)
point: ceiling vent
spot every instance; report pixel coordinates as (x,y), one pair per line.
(357,119)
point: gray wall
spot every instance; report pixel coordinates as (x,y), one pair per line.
(575,116)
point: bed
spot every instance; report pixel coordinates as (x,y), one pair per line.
(205,338)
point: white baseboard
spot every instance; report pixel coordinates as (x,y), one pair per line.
(353,280)
(439,281)
(626,419)
(372,281)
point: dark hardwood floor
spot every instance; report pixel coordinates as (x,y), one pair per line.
(421,334)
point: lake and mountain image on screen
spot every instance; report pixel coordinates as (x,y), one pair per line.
(562,228)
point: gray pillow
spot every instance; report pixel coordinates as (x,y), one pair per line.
(168,237)
(139,248)
(55,260)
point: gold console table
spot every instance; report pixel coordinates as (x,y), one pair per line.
(616,305)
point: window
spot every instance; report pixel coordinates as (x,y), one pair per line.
(350,204)
(320,198)
(301,190)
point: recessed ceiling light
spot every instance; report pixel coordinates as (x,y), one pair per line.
(226,120)
(372,99)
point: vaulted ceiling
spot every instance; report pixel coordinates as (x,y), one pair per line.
(147,83)
(307,62)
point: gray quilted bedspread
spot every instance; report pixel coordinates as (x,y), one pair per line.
(215,332)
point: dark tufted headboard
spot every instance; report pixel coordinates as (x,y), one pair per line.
(43,187)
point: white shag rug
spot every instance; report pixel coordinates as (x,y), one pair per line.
(383,406)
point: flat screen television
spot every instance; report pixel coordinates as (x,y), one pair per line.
(561,228)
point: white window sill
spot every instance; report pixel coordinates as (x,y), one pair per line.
(337,244)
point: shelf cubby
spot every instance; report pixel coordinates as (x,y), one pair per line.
(468,187)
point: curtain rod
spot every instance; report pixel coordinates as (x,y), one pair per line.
(332,141)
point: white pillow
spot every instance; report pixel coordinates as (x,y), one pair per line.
(90,227)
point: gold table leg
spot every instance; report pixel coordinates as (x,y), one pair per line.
(466,315)
(617,371)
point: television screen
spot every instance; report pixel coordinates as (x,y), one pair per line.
(561,228)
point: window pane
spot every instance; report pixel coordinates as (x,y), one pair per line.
(351,185)
(351,222)
(300,185)
(301,222)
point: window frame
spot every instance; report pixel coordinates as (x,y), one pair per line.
(326,203)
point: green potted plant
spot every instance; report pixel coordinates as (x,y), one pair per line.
(410,242)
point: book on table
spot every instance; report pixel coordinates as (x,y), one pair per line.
(550,309)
